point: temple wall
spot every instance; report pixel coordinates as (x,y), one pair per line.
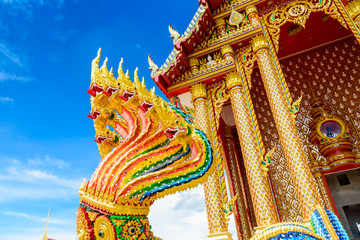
(334,74)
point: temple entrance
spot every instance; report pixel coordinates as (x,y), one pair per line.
(345,190)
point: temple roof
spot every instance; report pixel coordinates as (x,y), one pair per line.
(191,42)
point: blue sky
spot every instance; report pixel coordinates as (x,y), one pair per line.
(46,138)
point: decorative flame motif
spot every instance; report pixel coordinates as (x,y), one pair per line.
(174,34)
(149,149)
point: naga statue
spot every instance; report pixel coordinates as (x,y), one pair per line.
(149,149)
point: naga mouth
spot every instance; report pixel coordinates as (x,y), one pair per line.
(146,106)
(110,90)
(100,139)
(94,88)
(94,114)
(173,132)
(127,95)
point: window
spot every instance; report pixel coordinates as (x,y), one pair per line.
(343,179)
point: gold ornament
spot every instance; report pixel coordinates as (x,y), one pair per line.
(235,18)
(104,229)
(227,52)
(259,43)
(353,8)
(220,22)
(297,10)
(84,228)
(233,80)
(198,90)
(250,10)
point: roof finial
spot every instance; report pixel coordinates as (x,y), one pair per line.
(174,34)
(153,67)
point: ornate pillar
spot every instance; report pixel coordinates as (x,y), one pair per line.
(220,27)
(285,124)
(227,52)
(242,218)
(252,149)
(213,199)
(255,19)
(353,9)
(263,202)
(351,14)
(252,14)
(328,204)
(321,183)
(194,65)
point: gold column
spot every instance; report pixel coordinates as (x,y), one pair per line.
(227,52)
(220,27)
(319,177)
(242,218)
(194,65)
(353,9)
(255,19)
(212,188)
(285,124)
(351,14)
(251,147)
(252,15)
(321,183)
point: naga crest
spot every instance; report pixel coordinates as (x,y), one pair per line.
(149,149)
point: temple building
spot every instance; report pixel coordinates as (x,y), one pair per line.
(275,85)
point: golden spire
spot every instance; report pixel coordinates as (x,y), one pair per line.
(47,223)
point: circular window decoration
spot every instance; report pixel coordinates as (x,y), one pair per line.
(297,10)
(330,129)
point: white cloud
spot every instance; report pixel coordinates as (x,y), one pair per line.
(57,162)
(182,216)
(48,161)
(15,174)
(11,193)
(6,100)
(8,53)
(23,181)
(28,5)
(13,62)
(5,76)
(37,218)
(35,161)
(38,233)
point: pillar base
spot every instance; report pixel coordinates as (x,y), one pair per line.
(220,236)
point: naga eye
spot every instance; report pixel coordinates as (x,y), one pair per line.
(101,234)
(104,228)
(132,230)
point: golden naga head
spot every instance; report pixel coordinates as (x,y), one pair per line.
(149,149)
